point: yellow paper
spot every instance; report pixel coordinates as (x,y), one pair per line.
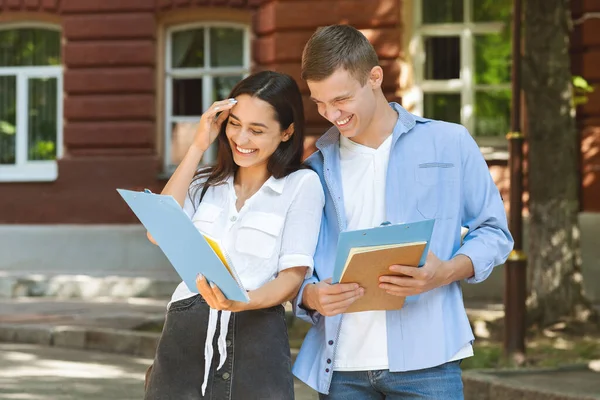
(217,249)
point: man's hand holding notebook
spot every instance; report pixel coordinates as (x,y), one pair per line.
(365,255)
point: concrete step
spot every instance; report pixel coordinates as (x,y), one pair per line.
(117,260)
(107,284)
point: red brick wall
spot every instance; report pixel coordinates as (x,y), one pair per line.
(586,62)
(283,26)
(110,129)
(112,102)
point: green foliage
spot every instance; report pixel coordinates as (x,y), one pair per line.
(29,46)
(43,150)
(492,10)
(581,89)
(6,128)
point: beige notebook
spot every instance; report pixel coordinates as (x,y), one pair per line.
(366,264)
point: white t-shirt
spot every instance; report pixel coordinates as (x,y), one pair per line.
(276,229)
(362,344)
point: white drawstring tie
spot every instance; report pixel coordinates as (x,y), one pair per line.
(213,316)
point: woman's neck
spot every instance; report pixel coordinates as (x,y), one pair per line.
(248,181)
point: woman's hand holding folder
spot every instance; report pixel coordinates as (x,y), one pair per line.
(277,291)
(215,298)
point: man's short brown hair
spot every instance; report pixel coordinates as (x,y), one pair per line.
(335,46)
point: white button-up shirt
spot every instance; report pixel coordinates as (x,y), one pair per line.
(276,229)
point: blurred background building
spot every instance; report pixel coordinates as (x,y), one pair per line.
(103,94)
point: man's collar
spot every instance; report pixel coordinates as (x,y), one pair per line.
(406,121)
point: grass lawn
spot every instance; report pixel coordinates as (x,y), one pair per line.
(541,351)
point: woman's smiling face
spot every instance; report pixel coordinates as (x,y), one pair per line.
(253,131)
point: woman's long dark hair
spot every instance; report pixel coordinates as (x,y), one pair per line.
(282,93)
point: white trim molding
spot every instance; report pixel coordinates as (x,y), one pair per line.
(207,73)
(25,170)
(464,85)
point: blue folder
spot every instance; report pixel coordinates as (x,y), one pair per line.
(182,243)
(382,235)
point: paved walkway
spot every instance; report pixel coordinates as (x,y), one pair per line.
(35,372)
(99,312)
(81,349)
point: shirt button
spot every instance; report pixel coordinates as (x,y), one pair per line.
(326,369)
(329,361)
(225,375)
(331,342)
(233,218)
(228,342)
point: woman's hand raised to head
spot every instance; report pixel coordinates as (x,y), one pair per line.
(215,298)
(210,123)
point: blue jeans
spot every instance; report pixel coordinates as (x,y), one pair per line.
(443,382)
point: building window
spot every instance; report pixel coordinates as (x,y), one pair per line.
(30,102)
(203,63)
(462,51)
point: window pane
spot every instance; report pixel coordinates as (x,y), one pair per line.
(187,49)
(492,59)
(28,47)
(222,86)
(442,11)
(42,119)
(182,135)
(492,10)
(187,97)
(226,47)
(442,58)
(442,106)
(492,113)
(8,119)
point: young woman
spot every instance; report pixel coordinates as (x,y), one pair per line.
(266,210)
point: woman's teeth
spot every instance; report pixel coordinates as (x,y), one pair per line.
(244,151)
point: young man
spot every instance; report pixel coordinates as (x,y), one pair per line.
(381,163)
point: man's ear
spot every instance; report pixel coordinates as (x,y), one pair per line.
(376,77)
(287,134)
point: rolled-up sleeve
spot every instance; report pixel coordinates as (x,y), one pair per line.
(488,241)
(302,224)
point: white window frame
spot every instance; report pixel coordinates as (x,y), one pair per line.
(464,85)
(25,170)
(207,74)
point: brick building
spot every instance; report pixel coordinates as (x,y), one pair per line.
(100,94)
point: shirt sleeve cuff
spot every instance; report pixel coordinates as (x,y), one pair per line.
(482,265)
(297,260)
(310,316)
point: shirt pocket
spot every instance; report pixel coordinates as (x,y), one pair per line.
(258,233)
(436,187)
(205,217)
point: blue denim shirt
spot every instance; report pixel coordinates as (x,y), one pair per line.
(435,170)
